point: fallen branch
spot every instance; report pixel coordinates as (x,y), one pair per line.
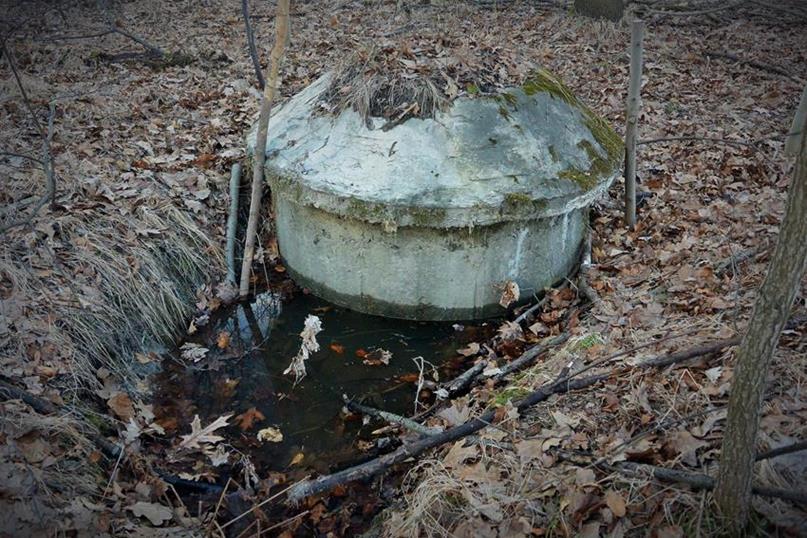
(565,384)
(782,450)
(112,27)
(696,12)
(44,407)
(462,382)
(698,480)
(528,357)
(407,423)
(686,354)
(751,63)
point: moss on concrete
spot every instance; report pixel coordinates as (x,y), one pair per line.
(544,81)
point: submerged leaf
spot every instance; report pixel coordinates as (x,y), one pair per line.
(200,436)
(270,434)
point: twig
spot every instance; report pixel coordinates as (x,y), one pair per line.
(253,51)
(696,139)
(232,221)
(21,156)
(696,12)
(285,522)
(782,450)
(735,259)
(47,159)
(262,503)
(114,28)
(282,33)
(750,63)
(698,480)
(407,423)
(81,36)
(44,407)
(528,357)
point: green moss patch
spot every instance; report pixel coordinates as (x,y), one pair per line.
(544,81)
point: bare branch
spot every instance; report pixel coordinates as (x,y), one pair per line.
(724,7)
(113,27)
(751,63)
(21,156)
(253,51)
(47,137)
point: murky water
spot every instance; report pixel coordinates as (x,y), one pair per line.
(248,373)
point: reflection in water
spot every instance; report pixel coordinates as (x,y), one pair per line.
(309,415)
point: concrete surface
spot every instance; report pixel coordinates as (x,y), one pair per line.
(428,219)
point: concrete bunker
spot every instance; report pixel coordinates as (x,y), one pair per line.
(428,218)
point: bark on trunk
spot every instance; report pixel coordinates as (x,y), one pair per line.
(771,311)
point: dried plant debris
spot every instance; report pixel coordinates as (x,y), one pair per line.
(404,79)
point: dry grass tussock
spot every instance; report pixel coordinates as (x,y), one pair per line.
(444,501)
(365,83)
(36,437)
(136,277)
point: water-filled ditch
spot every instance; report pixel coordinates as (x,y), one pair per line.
(246,376)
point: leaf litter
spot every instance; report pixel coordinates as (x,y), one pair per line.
(175,132)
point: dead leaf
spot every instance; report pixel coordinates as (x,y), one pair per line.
(156,513)
(472,349)
(223,340)
(121,405)
(219,456)
(529,450)
(271,435)
(583,477)
(193,352)
(684,443)
(458,454)
(510,294)
(200,436)
(615,502)
(510,330)
(248,418)
(377,357)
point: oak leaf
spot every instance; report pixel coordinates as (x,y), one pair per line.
(200,436)
(248,418)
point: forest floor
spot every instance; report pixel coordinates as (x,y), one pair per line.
(142,149)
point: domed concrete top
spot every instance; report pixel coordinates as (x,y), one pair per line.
(531,152)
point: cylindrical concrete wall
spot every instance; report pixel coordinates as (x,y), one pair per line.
(423,272)
(431,217)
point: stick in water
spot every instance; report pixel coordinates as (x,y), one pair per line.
(269,92)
